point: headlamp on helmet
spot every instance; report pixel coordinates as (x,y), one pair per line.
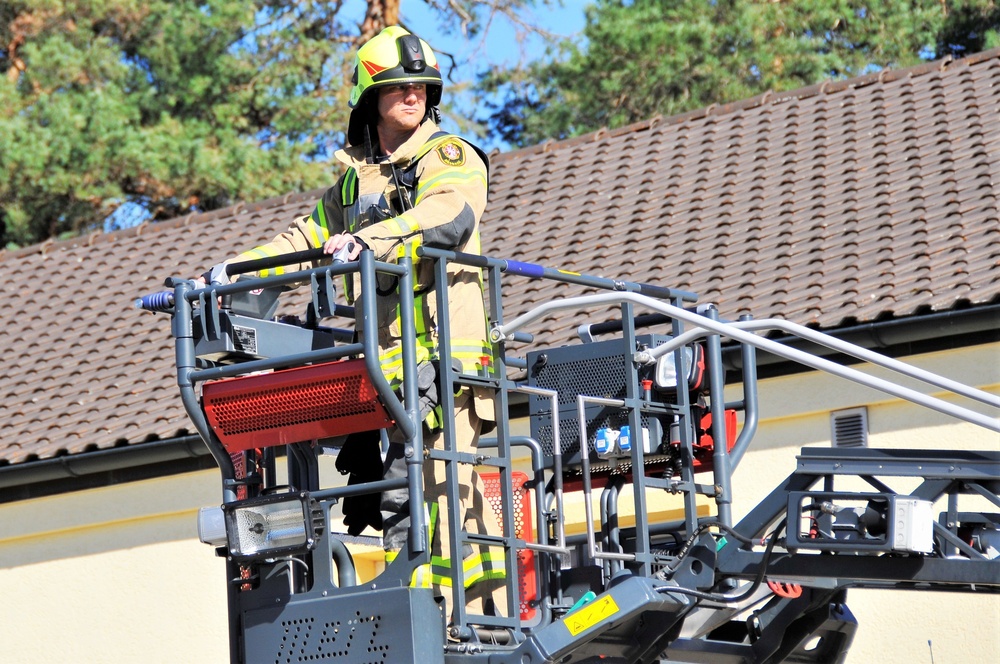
(411,54)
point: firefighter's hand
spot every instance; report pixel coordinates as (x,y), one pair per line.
(216,276)
(341,240)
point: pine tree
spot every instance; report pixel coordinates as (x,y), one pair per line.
(641,58)
(171,106)
(159,108)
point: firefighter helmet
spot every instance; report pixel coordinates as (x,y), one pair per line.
(392,57)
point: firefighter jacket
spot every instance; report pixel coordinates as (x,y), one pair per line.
(430,192)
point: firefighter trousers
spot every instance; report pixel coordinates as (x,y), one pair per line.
(484,569)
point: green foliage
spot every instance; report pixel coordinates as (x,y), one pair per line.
(641,58)
(172,106)
(164,107)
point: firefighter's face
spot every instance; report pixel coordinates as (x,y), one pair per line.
(402,107)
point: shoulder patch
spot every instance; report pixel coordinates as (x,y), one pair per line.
(452,153)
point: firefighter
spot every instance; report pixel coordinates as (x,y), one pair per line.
(405,184)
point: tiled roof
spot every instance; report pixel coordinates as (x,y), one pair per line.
(848,202)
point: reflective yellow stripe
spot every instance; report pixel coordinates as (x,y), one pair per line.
(347,281)
(435,419)
(431,514)
(473,348)
(319,235)
(267,252)
(450,177)
(320,228)
(348,190)
(467,351)
(348,194)
(432,144)
(475,568)
(391,360)
(319,215)
(404,224)
(419,323)
(422,577)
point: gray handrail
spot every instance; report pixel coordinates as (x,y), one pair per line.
(841,346)
(734,331)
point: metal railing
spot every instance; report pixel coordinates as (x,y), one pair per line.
(742,332)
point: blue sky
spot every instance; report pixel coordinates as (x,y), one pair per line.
(563,19)
(499,46)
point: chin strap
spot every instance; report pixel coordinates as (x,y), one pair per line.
(369,157)
(369,150)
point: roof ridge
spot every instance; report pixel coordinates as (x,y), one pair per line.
(829,86)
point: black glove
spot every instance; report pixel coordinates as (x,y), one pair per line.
(427,388)
(361,458)
(429,385)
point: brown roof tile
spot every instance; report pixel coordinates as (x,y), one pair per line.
(845,202)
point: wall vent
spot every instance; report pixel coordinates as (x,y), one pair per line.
(849,428)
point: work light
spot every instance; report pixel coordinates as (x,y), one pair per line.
(666,370)
(273,526)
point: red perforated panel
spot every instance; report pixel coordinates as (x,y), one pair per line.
(522,530)
(293,405)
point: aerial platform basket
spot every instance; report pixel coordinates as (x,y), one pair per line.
(293,405)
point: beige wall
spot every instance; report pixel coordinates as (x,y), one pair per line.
(117,574)
(113,575)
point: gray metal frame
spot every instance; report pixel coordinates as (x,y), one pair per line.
(692,590)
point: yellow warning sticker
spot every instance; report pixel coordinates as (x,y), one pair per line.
(590,615)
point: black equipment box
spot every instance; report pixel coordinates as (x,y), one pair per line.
(600,369)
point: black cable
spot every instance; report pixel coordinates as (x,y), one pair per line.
(744,595)
(728,530)
(701,529)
